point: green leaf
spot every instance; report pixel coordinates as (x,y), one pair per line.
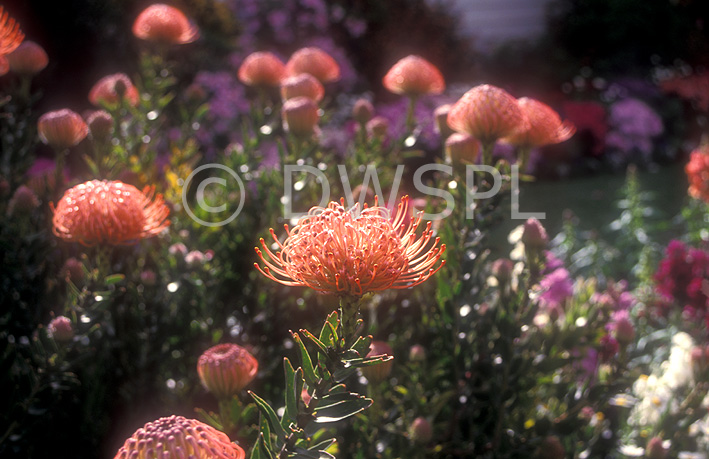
(265,432)
(210,418)
(311,375)
(291,410)
(260,450)
(321,347)
(303,453)
(328,336)
(342,409)
(271,416)
(361,346)
(114,279)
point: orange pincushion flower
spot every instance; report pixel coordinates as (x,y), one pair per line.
(109,89)
(304,85)
(314,61)
(338,250)
(174,437)
(4,65)
(262,69)
(104,212)
(414,76)
(698,174)
(545,126)
(62,129)
(487,113)
(165,24)
(225,369)
(10,34)
(28,59)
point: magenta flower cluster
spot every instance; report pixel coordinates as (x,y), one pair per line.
(679,279)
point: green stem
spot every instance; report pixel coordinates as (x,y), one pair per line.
(410,121)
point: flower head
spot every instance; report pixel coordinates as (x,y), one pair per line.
(10,34)
(300,116)
(697,170)
(414,76)
(4,65)
(304,85)
(362,111)
(462,148)
(28,59)
(23,201)
(175,436)
(62,129)
(545,126)
(348,252)
(487,113)
(377,127)
(314,61)
(380,371)
(105,212)
(421,431)
(110,89)
(262,69)
(60,329)
(165,24)
(100,124)
(225,369)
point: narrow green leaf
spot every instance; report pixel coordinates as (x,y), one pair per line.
(271,416)
(311,375)
(210,418)
(291,410)
(302,453)
(342,410)
(321,347)
(261,450)
(114,279)
(361,346)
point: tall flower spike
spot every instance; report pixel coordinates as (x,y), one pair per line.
(10,34)
(488,113)
(164,24)
(114,213)
(349,253)
(314,61)
(414,76)
(262,69)
(176,437)
(545,125)
(225,369)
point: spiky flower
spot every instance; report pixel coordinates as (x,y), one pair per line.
(414,76)
(225,369)
(349,253)
(109,212)
(545,125)
(165,24)
(62,129)
(10,34)
(176,436)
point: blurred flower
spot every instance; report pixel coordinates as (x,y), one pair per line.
(4,65)
(225,369)
(622,327)
(165,24)
(195,93)
(655,449)
(300,116)
(697,170)
(417,353)
(28,59)
(109,212)
(348,252)
(314,61)
(62,129)
(378,127)
(303,85)
(590,120)
(414,76)
(634,125)
(196,258)
(534,236)
(487,113)
(362,111)
(178,249)
(148,277)
(462,148)
(608,348)
(174,437)
(262,69)
(100,124)
(23,201)
(10,34)
(61,330)
(557,287)
(421,431)
(72,270)
(110,89)
(378,372)
(679,277)
(545,126)
(502,269)
(693,87)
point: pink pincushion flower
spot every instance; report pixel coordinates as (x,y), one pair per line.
(164,24)
(314,61)
(225,369)
(557,288)
(262,69)
(414,76)
(347,252)
(62,129)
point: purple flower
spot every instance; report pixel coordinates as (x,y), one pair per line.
(557,288)
(633,126)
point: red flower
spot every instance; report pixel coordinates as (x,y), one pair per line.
(697,170)
(487,113)
(4,65)
(62,129)
(166,24)
(225,369)
(591,118)
(262,69)
(10,34)
(304,85)
(314,61)
(346,252)
(414,76)
(174,437)
(109,90)
(103,212)
(300,116)
(545,126)
(28,59)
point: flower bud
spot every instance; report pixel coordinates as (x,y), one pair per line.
(178,249)
(362,111)
(378,127)
(61,330)
(72,270)
(23,201)
(502,270)
(225,369)
(417,353)
(381,371)
(100,125)
(303,85)
(608,348)
(623,328)
(148,277)
(61,129)
(421,431)
(28,59)
(534,236)
(462,148)
(300,116)
(655,449)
